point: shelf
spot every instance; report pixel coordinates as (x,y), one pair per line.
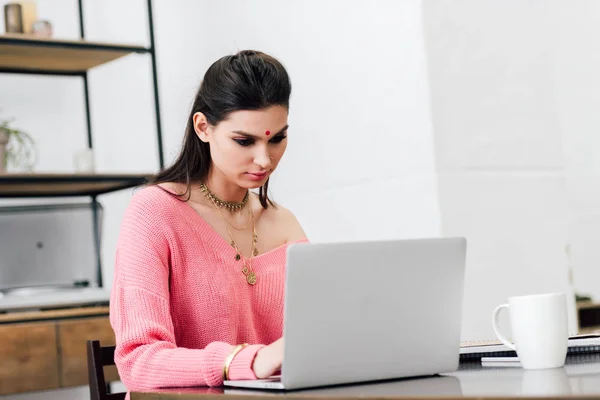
(61,185)
(29,54)
(28,316)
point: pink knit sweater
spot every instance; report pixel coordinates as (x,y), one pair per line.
(179,302)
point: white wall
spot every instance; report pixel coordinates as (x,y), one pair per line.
(577,93)
(360,129)
(360,163)
(504,114)
(352,147)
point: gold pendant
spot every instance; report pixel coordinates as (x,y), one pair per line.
(251,278)
(245,270)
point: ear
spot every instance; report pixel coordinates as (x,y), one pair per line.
(201,126)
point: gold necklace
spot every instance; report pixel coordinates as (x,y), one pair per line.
(246,264)
(230,205)
(243,228)
(212,198)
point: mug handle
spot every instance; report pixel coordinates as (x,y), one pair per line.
(500,336)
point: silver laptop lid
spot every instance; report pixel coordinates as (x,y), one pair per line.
(47,245)
(372,310)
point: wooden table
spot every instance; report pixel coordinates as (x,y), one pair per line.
(579,378)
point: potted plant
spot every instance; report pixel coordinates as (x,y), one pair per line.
(17,147)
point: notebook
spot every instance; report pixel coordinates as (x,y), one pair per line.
(474,351)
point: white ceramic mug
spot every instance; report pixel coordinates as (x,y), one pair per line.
(539,329)
(545,383)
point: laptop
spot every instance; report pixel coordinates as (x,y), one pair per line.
(48,256)
(48,244)
(368,311)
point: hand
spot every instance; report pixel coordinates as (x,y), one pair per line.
(268,360)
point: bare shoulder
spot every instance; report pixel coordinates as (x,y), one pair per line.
(173,187)
(285,222)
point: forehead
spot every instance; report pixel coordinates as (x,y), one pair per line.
(257,121)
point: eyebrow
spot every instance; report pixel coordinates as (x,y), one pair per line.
(246,134)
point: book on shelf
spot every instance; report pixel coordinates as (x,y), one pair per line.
(578,344)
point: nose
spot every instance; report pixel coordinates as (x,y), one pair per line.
(263,159)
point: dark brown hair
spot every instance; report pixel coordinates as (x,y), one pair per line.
(248,80)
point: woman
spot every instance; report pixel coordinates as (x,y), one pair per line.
(199,276)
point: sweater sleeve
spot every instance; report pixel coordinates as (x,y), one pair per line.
(146,354)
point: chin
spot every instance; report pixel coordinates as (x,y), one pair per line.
(252,185)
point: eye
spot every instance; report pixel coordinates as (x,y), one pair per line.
(244,142)
(278,138)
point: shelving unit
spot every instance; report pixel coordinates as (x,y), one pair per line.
(21,53)
(66,185)
(25,54)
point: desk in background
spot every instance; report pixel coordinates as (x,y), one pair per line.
(579,378)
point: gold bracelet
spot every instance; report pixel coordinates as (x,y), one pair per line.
(229,359)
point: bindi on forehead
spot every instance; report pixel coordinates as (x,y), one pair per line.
(257,135)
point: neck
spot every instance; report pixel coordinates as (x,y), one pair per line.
(225,191)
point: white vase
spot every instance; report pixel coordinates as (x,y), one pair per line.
(3,143)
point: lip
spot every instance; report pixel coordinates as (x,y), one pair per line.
(257,176)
